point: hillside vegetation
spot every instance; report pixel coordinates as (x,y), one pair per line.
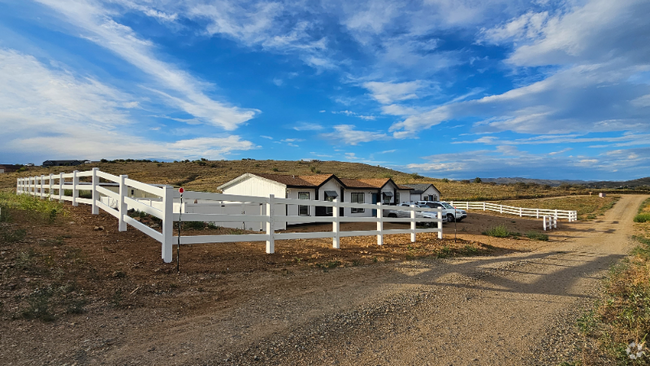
(203,175)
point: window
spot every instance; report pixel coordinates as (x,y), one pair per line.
(387,196)
(397,197)
(329,197)
(357,197)
(303,210)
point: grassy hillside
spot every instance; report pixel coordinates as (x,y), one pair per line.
(208,175)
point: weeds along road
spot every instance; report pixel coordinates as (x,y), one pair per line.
(515,309)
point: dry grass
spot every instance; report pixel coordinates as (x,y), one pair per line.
(208,175)
(623,315)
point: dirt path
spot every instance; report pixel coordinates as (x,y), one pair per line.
(499,310)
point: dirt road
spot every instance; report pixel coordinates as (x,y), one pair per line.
(515,309)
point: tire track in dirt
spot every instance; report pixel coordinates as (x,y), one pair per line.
(479,310)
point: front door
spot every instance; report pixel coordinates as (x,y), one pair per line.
(374,202)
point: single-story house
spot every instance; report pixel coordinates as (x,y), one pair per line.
(314,188)
(47,163)
(424,192)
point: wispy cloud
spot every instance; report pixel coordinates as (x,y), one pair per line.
(48,109)
(307,126)
(387,92)
(349,135)
(354,114)
(96,24)
(491,163)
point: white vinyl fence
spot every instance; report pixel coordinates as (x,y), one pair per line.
(519,211)
(55,187)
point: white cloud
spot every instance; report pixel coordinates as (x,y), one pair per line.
(387,92)
(591,31)
(180,88)
(354,114)
(561,151)
(307,126)
(50,113)
(350,136)
(503,159)
(627,139)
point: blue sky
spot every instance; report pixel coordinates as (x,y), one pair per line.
(445,88)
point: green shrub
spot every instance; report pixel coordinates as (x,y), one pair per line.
(39,209)
(4,214)
(500,231)
(39,305)
(642,217)
(12,236)
(194,225)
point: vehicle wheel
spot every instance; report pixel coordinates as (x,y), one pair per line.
(450,218)
(392,215)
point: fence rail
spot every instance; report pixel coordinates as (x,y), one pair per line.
(519,211)
(57,187)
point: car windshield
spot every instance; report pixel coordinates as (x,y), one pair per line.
(448,206)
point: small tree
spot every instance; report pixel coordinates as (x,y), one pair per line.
(477,180)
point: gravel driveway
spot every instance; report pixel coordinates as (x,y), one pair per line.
(515,309)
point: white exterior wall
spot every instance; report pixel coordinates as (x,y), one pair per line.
(368,199)
(292,210)
(257,187)
(404,196)
(254,209)
(130,192)
(217,208)
(429,191)
(433,192)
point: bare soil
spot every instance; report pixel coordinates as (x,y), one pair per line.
(474,300)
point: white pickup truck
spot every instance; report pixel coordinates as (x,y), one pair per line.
(405,213)
(448,211)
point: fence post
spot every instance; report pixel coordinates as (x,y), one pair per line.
(544,219)
(412,223)
(380,224)
(336,225)
(537,213)
(17,185)
(483,206)
(555,221)
(75,192)
(521,210)
(40,191)
(95,209)
(270,231)
(440,222)
(501,208)
(49,191)
(167,224)
(61,180)
(121,205)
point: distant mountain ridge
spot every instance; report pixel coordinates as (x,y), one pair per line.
(556,182)
(550,182)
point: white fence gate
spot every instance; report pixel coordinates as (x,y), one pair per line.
(519,211)
(55,186)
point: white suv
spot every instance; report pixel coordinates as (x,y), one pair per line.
(449,212)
